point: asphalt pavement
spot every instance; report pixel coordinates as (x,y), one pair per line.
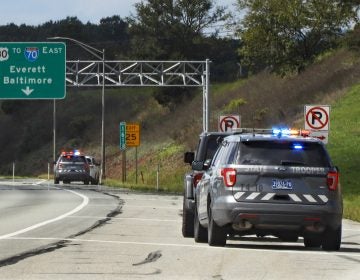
(123,234)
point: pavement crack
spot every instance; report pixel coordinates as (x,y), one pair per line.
(152,257)
(38,251)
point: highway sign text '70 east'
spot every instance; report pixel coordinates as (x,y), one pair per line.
(32,70)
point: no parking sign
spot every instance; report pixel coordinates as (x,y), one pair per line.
(317,121)
(229,122)
(317,117)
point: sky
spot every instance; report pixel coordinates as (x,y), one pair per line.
(35,12)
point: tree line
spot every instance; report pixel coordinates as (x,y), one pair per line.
(280,35)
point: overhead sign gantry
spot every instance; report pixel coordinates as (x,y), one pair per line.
(142,74)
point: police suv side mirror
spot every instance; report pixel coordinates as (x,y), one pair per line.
(189,157)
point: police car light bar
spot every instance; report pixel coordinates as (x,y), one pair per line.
(290,132)
(74,152)
(252,130)
(274,131)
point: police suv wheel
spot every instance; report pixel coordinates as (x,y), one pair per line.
(200,234)
(312,242)
(332,239)
(216,235)
(187,222)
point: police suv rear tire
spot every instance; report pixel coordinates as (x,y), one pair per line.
(332,239)
(312,242)
(187,221)
(216,235)
(56,181)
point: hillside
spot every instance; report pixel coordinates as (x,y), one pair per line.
(264,101)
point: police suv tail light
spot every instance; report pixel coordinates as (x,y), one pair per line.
(229,175)
(333,180)
(197,178)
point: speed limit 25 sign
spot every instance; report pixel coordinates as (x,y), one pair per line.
(132,135)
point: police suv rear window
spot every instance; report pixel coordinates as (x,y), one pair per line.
(280,153)
(72,159)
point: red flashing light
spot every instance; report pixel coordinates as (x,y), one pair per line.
(300,132)
(305,133)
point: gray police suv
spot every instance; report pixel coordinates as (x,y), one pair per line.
(267,183)
(71,166)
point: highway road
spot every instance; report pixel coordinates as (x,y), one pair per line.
(92,232)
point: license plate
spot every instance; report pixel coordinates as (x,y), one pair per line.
(278,184)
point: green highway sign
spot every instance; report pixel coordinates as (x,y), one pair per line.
(122,136)
(32,70)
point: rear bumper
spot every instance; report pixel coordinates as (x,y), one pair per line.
(269,216)
(73,176)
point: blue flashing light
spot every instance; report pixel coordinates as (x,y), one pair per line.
(298,147)
(281,131)
(76,152)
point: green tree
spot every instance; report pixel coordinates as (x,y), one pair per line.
(165,29)
(288,34)
(174,30)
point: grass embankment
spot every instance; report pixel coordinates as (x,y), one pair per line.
(344,148)
(160,168)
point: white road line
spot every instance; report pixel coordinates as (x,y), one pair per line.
(202,247)
(153,207)
(348,229)
(39,183)
(44,223)
(130,219)
(150,199)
